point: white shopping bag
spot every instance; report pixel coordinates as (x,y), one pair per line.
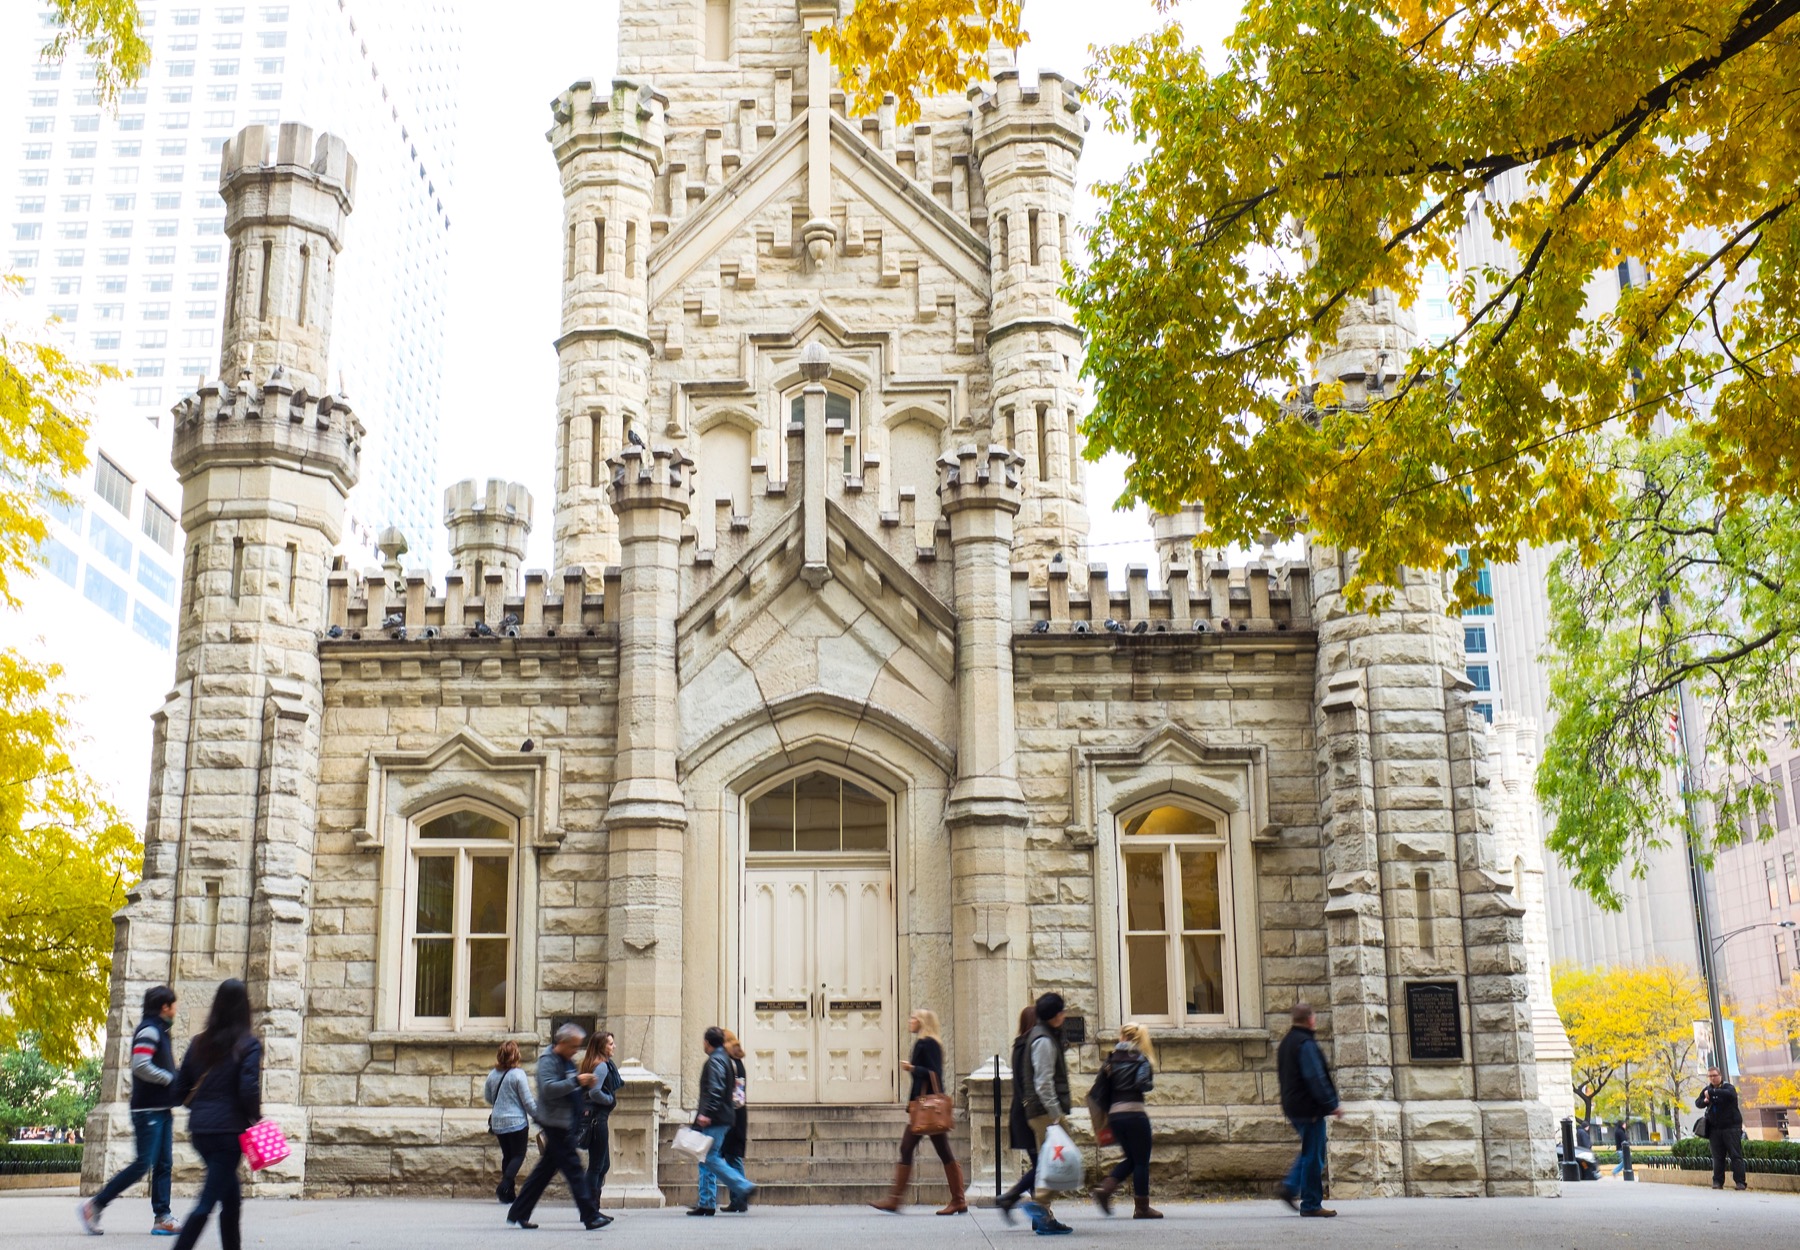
(1059,1162)
(691,1144)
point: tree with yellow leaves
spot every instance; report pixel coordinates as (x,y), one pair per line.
(1540,148)
(1604,1032)
(1776,1027)
(66,856)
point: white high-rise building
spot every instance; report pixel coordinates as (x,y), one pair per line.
(115,224)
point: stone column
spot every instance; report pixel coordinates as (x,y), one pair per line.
(646,816)
(986,814)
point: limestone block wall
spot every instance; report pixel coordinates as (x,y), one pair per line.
(1109,721)
(391,1113)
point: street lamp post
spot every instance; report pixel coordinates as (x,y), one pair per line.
(1685,715)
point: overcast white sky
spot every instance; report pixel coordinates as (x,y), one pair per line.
(500,392)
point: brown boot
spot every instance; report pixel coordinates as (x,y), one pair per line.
(953,1175)
(1144,1210)
(1102,1195)
(897,1195)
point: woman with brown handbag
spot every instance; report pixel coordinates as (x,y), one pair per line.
(928,1114)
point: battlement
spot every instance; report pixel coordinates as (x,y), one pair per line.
(651,476)
(367,608)
(291,150)
(1217,598)
(275,424)
(974,476)
(474,500)
(1048,110)
(632,118)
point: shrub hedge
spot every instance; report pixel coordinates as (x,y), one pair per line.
(30,1158)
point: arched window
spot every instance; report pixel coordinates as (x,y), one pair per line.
(461,917)
(838,407)
(818,814)
(1175,876)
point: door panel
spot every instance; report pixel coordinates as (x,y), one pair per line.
(856,943)
(779,1041)
(819,949)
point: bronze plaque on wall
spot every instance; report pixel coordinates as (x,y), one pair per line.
(1434,1020)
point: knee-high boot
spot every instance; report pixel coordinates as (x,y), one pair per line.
(897,1195)
(953,1174)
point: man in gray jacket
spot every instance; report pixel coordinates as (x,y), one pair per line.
(558,1113)
(1046,1097)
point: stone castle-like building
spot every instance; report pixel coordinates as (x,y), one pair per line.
(823,715)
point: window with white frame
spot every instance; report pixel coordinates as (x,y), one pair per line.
(461,909)
(1174,916)
(838,407)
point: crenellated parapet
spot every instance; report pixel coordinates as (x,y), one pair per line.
(370,608)
(980,477)
(260,430)
(1215,597)
(1015,111)
(628,117)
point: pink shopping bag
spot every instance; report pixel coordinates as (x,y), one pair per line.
(264,1145)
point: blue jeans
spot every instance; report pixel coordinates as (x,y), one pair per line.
(155,1132)
(716,1167)
(1307,1177)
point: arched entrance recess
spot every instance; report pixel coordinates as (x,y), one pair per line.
(821,846)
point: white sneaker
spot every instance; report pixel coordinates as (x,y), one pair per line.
(90,1219)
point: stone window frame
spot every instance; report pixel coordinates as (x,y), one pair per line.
(461,850)
(1171,766)
(401,787)
(1169,846)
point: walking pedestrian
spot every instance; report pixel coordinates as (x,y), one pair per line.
(602,1096)
(220,1083)
(737,1141)
(1124,1079)
(1046,1080)
(560,1086)
(714,1116)
(508,1092)
(1018,1125)
(927,1068)
(1724,1128)
(152,1118)
(1620,1139)
(1307,1097)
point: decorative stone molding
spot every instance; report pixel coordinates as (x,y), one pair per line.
(526,784)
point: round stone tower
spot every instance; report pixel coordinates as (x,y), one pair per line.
(488,527)
(1027,139)
(610,150)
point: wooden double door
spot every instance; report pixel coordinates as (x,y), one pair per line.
(818,1012)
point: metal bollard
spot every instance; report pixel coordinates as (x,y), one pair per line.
(1625,1158)
(1571,1170)
(999,1140)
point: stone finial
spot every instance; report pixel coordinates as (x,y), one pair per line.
(815,362)
(1174,534)
(489,524)
(392,544)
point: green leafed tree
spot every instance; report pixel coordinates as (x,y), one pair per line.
(110,32)
(1683,584)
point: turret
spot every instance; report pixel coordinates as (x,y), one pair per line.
(609,147)
(488,527)
(266,461)
(1174,534)
(286,198)
(1027,139)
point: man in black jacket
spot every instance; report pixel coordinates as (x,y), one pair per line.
(714,1116)
(1307,1097)
(560,1090)
(1724,1127)
(152,1117)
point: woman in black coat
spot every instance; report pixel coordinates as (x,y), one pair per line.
(220,1083)
(927,1068)
(1018,1125)
(597,1109)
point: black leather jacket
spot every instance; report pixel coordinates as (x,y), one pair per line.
(717,1079)
(1128,1075)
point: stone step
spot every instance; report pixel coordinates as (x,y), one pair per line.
(784,1194)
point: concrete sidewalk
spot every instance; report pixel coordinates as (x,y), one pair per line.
(1591,1216)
